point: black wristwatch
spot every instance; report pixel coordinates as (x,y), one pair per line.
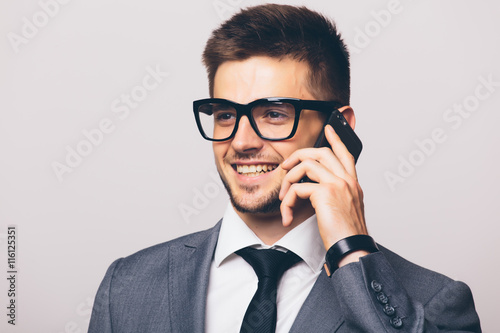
(348,245)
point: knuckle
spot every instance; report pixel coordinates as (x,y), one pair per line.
(331,188)
(293,188)
(353,183)
(308,163)
(325,150)
(343,184)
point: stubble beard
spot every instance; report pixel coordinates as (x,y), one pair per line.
(264,205)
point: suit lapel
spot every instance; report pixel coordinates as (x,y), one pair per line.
(321,310)
(189,267)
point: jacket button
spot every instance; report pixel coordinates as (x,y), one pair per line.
(389,310)
(382,298)
(377,287)
(397,322)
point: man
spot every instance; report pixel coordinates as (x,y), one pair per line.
(268,66)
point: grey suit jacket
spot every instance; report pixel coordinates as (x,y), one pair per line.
(163,289)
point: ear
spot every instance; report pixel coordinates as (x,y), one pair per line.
(348,114)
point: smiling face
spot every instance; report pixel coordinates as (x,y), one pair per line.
(248,165)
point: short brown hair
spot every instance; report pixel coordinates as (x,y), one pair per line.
(281,31)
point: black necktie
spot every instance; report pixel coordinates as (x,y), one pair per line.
(269,265)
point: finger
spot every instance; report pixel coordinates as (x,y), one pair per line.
(341,151)
(296,192)
(314,170)
(324,156)
(299,155)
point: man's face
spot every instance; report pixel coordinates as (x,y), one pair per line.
(239,159)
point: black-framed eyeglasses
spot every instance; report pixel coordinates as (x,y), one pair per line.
(272,119)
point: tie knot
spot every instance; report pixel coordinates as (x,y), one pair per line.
(268,263)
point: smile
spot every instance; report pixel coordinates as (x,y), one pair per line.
(255,170)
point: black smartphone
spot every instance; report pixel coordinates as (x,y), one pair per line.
(344,131)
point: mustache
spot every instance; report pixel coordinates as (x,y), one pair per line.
(253,156)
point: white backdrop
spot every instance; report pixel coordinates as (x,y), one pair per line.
(100,155)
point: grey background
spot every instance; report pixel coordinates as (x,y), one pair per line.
(130,191)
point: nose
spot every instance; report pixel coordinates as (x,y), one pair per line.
(246,140)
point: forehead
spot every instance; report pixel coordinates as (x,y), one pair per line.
(260,77)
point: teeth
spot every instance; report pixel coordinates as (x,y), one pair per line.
(255,169)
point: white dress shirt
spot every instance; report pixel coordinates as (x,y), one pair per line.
(233,282)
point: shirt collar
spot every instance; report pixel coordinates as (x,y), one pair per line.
(304,240)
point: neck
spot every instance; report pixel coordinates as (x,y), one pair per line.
(269,227)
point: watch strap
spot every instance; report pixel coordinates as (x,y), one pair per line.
(346,246)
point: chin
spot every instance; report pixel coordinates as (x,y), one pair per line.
(252,200)
(270,205)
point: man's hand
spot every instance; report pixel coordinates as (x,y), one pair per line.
(336,196)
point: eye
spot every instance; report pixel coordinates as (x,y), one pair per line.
(222,116)
(274,112)
(276,115)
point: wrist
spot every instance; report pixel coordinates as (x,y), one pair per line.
(349,250)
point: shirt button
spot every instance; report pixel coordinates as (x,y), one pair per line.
(377,287)
(382,298)
(389,310)
(397,322)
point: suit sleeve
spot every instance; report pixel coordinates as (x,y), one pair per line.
(100,321)
(374,299)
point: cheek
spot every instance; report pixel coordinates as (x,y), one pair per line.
(305,137)
(287,148)
(309,137)
(220,151)
(308,133)
(284,148)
